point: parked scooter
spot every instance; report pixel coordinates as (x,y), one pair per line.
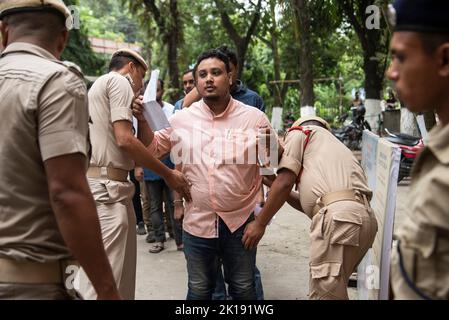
(352,133)
(410,148)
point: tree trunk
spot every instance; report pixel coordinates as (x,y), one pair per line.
(276,58)
(170,30)
(242,49)
(408,123)
(305,54)
(172,50)
(241,42)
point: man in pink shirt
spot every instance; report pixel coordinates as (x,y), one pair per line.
(213,143)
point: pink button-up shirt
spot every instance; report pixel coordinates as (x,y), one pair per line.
(217,153)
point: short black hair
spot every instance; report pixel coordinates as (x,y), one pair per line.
(232,56)
(214,53)
(119,61)
(187,71)
(44,24)
(430,42)
(162,83)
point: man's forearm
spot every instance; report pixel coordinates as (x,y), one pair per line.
(275,201)
(293,200)
(144,133)
(143,157)
(192,97)
(78,222)
(278,195)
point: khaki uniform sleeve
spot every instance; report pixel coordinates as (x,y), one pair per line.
(432,203)
(63,116)
(121,97)
(293,151)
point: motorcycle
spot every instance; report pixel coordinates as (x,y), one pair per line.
(410,147)
(351,134)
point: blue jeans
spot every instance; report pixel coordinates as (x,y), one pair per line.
(156,189)
(220,288)
(203,261)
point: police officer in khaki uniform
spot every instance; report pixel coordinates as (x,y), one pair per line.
(420,71)
(333,192)
(115,151)
(47,213)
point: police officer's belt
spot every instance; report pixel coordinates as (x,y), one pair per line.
(30,272)
(108,173)
(343,195)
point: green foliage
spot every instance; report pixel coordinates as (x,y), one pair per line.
(78,50)
(337,53)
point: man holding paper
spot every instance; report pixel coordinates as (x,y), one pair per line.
(115,151)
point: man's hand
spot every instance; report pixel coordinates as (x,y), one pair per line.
(138,173)
(179,211)
(138,108)
(180,184)
(267,139)
(254,231)
(268,180)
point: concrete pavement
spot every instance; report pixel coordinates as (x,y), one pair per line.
(282,259)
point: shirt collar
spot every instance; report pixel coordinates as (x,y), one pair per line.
(230,108)
(438,143)
(29,48)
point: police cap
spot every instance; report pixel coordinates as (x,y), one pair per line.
(131,53)
(430,16)
(8,7)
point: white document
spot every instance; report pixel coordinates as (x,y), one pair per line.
(152,110)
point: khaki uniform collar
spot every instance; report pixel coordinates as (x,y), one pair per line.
(29,48)
(438,143)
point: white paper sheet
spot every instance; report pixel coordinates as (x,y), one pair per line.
(152,110)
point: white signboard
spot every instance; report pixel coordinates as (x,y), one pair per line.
(374,270)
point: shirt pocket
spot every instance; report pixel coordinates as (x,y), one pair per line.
(345,228)
(325,269)
(239,147)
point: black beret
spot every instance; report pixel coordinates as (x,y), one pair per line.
(420,15)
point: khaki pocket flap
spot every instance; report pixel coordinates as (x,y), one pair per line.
(347,216)
(345,228)
(325,269)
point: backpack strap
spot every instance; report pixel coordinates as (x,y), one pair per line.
(307,132)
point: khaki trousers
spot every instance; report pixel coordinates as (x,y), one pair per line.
(117,221)
(18,291)
(341,234)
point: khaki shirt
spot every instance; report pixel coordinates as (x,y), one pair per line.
(328,165)
(424,235)
(44,114)
(110,100)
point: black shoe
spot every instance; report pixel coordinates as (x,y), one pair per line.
(141,229)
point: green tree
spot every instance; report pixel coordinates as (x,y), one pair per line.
(78,50)
(374,42)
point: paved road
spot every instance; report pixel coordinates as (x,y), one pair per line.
(282,259)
